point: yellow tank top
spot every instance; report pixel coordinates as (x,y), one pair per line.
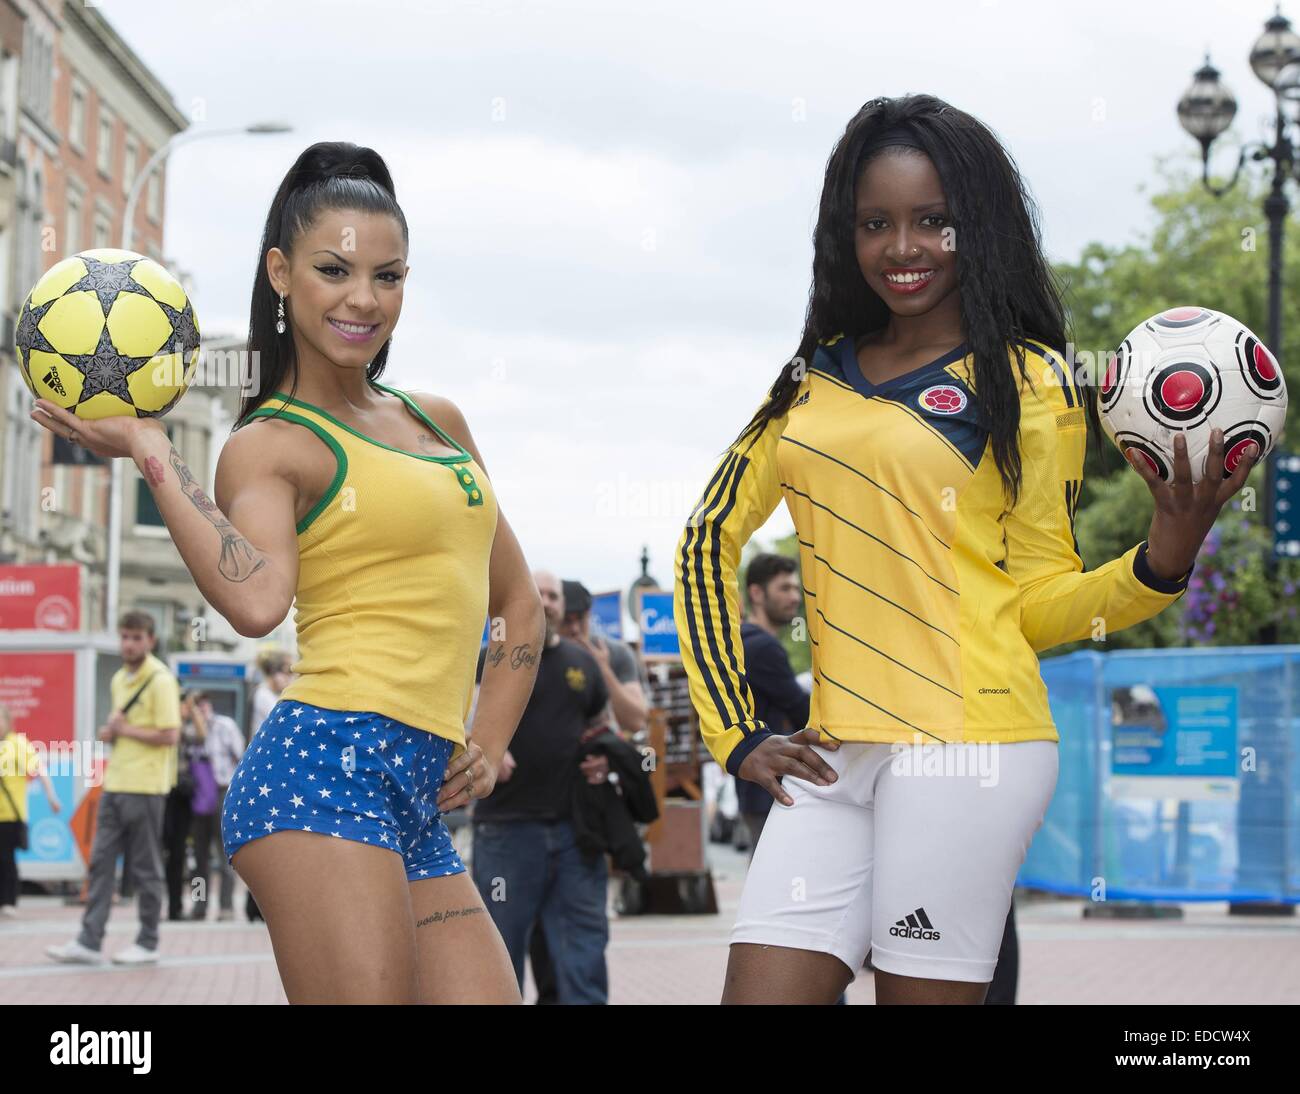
(392,590)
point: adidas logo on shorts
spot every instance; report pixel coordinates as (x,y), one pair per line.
(916,925)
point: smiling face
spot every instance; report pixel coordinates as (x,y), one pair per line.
(900,214)
(343,286)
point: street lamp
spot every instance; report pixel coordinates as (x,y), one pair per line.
(1205,111)
(114,560)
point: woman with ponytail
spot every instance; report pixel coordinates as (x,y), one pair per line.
(928,439)
(369,509)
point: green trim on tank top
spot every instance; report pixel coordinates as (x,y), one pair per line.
(419,413)
(380,444)
(459,464)
(464,476)
(340,459)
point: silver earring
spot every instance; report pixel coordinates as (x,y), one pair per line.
(279,320)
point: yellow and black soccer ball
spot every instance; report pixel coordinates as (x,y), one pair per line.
(108,333)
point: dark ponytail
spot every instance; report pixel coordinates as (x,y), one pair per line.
(329,175)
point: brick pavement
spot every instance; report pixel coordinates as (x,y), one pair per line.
(1207,957)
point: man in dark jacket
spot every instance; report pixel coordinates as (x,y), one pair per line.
(606,810)
(526,861)
(772,588)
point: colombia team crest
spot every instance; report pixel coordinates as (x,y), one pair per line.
(942,399)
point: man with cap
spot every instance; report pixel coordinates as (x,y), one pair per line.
(624,676)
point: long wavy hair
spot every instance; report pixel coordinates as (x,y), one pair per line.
(330,175)
(1008,292)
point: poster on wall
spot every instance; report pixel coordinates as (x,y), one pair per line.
(40,597)
(1174,742)
(39,690)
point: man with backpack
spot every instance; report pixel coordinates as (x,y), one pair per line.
(143,730)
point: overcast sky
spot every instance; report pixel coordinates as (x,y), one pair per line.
(610,205)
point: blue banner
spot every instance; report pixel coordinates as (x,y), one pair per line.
(658,631)
(1184,734)
(607,615)
(1179,776)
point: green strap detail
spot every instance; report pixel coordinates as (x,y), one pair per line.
(460,463)
(340,458)
(418,411)
(465,477)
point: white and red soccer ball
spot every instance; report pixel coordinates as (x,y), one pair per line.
(1190,370)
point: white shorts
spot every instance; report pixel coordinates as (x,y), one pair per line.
(912,854)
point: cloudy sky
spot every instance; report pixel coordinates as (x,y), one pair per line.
(610,204)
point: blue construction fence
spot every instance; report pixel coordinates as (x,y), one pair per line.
(1179,776)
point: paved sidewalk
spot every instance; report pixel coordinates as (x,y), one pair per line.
(1207,957)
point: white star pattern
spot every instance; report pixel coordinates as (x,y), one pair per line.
(398,769)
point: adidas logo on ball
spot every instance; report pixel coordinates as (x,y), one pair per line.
(51,380)
(916,925)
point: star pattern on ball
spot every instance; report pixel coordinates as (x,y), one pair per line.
(185,332)
(28,336)
(106,280)
(106,369)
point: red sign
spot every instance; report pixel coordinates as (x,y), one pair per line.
(40,689)
(40,598)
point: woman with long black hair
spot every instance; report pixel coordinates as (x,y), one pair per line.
(928,438)
(371,509)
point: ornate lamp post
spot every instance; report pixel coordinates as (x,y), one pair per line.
(1205,111)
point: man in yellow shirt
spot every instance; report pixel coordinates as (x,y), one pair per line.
(143,730)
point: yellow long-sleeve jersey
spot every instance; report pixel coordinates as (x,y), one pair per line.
(927,601)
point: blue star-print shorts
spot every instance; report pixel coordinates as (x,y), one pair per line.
(347,774)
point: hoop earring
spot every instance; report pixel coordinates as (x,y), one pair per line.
(279,320)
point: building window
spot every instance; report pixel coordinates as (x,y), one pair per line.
(104,153)
(147,517)
(72,233)
(128,165)
(36,211)
(153,202)
(47,82)
(22,469)
(36,73)
(103,231)
(77,119)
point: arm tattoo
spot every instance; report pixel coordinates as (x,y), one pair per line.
(522,656)
(153,471)
(239,560)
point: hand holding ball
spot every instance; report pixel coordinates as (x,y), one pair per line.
(1189,371)
(1194,400)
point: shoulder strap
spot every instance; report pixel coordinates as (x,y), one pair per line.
(132,701)
(285,411)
